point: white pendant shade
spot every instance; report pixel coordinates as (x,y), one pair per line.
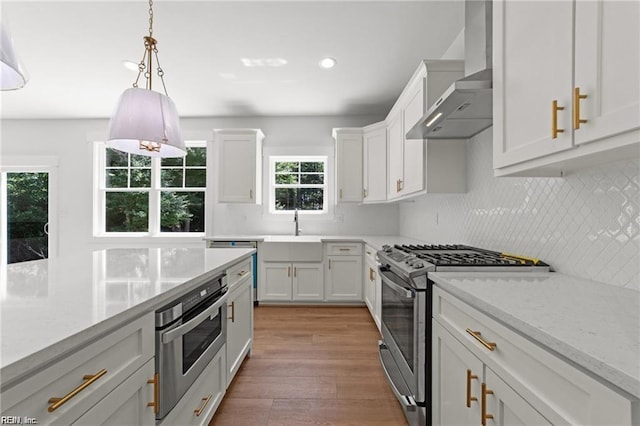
(146,122)
(12,73)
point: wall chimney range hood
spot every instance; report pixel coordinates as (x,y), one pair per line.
(466,107)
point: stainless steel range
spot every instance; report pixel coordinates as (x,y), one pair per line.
(405,348)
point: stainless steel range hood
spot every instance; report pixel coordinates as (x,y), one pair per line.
(466,107)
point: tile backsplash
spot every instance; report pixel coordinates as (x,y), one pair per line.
(585,224)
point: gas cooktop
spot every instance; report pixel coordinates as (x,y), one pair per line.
(412,260)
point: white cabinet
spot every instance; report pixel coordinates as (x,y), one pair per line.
(287,281)
(343,272)
(127,404)
(199,403)
(565,95)
(372,285)
(348,164)
(410,160)
(523,382)
(374,170)
(119,362)
(240,165)
(239,317)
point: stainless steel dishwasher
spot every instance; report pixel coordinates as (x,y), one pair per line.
(242,244)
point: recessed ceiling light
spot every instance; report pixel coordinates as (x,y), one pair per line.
(327,62)
(130,65)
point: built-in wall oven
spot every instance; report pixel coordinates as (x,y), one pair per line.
(405,348)
(189,333)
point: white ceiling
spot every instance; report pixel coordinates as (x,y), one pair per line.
(74,50)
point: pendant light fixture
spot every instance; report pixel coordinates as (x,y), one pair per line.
(12,74)
(146,122)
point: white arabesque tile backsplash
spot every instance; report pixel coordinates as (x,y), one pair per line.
(585,224)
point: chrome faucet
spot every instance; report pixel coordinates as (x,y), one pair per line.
(295,219)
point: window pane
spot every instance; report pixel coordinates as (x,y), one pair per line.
(288,166)
(316,166)
(182,211)
(196,178)
(116,158)
(286,179)
(170,178)
(285,199)
(116,178)
(197,157)
(310,198)
(174,161)
(140,178)
(140,161)
(310,178)
(27,216)
(127,212)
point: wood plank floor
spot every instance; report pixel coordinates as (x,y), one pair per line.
(311,366)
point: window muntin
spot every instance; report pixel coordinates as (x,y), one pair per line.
(153,196)
(298,182)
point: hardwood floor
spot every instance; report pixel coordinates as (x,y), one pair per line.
(311,366)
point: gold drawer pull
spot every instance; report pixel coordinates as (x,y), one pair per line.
(478,336)
(345,249)
(205,402)
(242,273)
(577,121)
(233,311)
(554,119)
(372,274)
(88,380)
(156,394)
(484,414)
(470,376)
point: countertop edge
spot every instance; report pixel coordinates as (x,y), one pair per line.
(36,361)
(570,354)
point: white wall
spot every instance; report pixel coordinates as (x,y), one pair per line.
(71,142)
(586,224)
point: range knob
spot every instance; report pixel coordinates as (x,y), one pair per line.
(418,265)
(386,248)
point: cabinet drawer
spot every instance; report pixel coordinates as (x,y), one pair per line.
(370,254)
(202,399)
(238,271)
(110,359)
(559,391)
(344,249)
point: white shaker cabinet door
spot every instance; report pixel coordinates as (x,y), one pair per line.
(276,281)
(533,67)
(607,69)
(307,281)
(375,166)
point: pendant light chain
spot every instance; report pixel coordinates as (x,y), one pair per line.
(146,63)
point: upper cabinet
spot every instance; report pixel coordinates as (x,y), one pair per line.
(565,95)
(348,164)
(240,167)
(409,160)
(374,172)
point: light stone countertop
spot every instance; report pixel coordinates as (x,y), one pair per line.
(375,241)
(51,307)
(592,324)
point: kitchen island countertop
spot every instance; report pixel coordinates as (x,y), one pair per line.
(591,324)
(51,307)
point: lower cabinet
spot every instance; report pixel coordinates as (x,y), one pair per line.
(200,402)
(128,404)
(344,278)
(286,281)
(485,373)
(239,324)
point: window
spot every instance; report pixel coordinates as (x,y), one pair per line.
(298,183)
(155,196)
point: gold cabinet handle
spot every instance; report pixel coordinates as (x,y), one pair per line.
(288,271)
(329,263)
(483,407)
(398,185)
(233,311)
(577,121)
(365,193)
(470,376)
(554,119)
(242,273)
(88,380)
(345,249)
(205,402)
(156,394)
(478,336)
(251,194)
(294,271)
(372,274)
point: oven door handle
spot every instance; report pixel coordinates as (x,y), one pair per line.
(187,327)
(402,291)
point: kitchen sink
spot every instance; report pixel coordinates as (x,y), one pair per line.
(301,248)
(293,239)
